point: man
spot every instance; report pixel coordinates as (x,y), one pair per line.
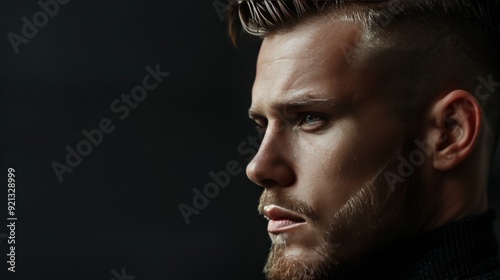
(378,121)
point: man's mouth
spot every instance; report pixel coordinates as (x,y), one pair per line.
(281,219)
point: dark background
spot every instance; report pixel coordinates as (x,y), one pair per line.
(119,207)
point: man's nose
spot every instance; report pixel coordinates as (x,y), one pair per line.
(271,166)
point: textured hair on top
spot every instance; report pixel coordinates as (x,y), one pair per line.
(262,17)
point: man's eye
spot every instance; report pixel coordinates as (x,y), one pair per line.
(260,127)
(311,121)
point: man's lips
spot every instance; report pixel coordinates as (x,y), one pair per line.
(281,219)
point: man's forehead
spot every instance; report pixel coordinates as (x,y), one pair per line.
(304,63)
(322,37)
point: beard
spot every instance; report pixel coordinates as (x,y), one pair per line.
(375,218)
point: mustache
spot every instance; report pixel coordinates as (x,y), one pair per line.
(288,202)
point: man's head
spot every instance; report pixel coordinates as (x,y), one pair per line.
(376,124)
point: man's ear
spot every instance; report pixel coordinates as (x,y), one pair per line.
(456,119)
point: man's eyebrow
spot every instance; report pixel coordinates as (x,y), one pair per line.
(297,104)
(300,103)
(254,115)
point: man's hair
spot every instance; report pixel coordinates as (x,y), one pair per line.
(261,18)
(433,40)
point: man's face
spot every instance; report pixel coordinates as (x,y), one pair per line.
(329,135)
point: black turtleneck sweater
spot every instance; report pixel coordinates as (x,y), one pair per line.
(464,249)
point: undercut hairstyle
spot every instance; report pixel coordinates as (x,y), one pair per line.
(423,43)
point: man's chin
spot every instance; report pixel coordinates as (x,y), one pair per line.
(293,261)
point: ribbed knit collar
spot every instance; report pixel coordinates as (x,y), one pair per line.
(458,250)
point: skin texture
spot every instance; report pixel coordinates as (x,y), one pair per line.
(331,135)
